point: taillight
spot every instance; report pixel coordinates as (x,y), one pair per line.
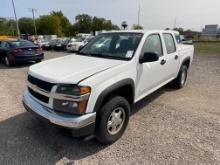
(16,51)
(39,50)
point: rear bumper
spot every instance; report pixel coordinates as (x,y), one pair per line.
(28,58)
(80,125)
(72,48)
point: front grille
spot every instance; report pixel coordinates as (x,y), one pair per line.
(40,97)
(41,84)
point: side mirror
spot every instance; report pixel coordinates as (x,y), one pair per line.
(80,48)
(149,57)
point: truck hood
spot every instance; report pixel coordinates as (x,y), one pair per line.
(71,69)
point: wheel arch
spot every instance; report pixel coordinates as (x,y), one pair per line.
(187,62)
(124,88)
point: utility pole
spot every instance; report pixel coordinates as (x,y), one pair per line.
(35,28)
(175,20)
(139,13)
(17,25)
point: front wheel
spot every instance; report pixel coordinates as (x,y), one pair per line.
(112,119)
(180,81)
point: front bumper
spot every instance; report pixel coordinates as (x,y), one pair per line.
(80,124)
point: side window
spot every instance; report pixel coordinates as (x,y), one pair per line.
(153,44)
(3,44)
(169,42)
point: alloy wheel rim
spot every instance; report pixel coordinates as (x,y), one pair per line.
(116,120)
(183,77)
(6,61)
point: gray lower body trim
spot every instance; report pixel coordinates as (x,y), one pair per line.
(61,119)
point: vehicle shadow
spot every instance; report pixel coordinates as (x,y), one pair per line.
(150,98)
(24,139)
(16,66)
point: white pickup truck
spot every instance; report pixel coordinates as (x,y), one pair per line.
(92,92)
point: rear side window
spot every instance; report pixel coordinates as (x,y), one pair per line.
(22,43)
(4,44)
(169,42)
(153,44)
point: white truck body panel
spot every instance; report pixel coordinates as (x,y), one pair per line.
(100,73)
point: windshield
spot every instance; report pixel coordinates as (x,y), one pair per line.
(113,45)
(22,43)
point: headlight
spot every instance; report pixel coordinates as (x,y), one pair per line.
(71,98)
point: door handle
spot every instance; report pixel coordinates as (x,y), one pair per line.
(176,57)
(163,62)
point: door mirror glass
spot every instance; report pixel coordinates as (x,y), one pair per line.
(149,57)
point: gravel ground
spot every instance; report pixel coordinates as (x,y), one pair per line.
(168,127)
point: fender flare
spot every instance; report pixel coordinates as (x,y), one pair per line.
(186,59)
(111,89)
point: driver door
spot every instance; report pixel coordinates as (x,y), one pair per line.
(150,75)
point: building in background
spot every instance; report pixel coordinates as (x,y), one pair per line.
(211,30)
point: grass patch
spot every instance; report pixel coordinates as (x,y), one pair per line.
(207,47)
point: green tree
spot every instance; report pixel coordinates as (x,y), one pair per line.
(63,20)
(26,25)
(103,24)
(180,30)
(83,23)
(49,24)
(7,27)
(137,27)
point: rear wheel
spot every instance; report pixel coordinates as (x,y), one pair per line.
(180,81)
(112,119)
(37,61)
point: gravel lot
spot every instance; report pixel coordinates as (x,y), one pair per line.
(168,127)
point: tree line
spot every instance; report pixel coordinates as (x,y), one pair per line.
(56,23)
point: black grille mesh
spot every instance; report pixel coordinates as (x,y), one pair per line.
(40,97)
(41,84)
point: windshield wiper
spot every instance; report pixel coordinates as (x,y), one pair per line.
(102,55)
(109,56)
(82,53)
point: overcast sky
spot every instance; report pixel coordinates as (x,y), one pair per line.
(155,14)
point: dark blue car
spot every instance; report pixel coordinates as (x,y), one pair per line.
(17,51)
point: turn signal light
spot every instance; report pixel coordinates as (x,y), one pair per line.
(85,89)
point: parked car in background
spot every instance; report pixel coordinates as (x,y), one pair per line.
(42,43)
(74,46)
(15,51)
(181,39)
(61,44)
(51,45)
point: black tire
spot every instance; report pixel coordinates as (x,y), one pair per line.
(102,132)
(180,81)
(7,61)
(37,61)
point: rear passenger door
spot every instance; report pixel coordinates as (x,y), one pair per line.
(171,55)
